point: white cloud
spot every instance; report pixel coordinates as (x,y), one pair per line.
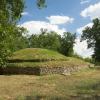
(60,19)
(93,11)
(34,27)
(81,48)
(52,25)
(84,1)
(24,13)
(79,30)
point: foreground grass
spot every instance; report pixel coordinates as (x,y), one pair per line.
(51,87)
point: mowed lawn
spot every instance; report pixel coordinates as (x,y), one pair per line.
(84,84)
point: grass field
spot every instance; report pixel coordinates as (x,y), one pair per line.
(84,85)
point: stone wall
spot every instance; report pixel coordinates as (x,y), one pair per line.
(20,70)
(41,70)
(60,70)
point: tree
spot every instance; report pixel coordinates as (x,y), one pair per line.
(67,43)
(17,40)
(51,40)
(48,40)
(92,35)
(41,3)
(10,13)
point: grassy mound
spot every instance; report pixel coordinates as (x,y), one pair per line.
(70,62)
(36,54)
(36,57)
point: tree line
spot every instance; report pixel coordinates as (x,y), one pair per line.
(52,40)
(44,39)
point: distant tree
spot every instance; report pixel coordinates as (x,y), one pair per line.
(88,60)
(92,35)
(33,41)
(48,40)
(41,3)
(51,40)
(67,43)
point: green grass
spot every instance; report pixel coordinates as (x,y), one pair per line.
(36,57)
(84,85)
(36,54)
(70,62)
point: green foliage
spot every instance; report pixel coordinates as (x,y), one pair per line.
(51,40)
(10,13)
(41,3)
(17,40)
(11,37)
(48,40)
(78,56)
(3,57)
(10,10)
(92,35)
(88,60)
(67,43)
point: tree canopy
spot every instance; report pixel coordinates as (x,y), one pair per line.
(67,43)
(92,35)
(10,33)
(44,39)
(41,3)
(52,40)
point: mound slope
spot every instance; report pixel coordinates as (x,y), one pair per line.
(36,57)
(42,61)
(36,54)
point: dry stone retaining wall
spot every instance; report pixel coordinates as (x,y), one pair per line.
(20,70)
(40,70)
(60,70)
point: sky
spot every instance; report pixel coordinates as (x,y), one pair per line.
(62,16)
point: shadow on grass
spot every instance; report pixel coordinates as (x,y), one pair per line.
(85,97)
(40,97)
(44,98)
(88,91)
(20,71)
